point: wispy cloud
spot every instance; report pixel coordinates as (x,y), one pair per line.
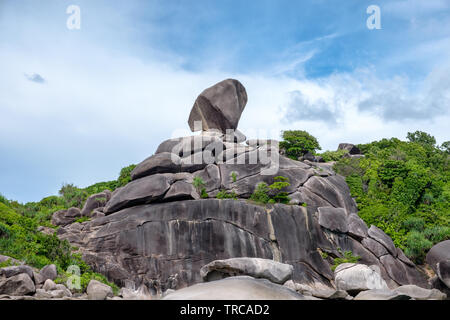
(35,77)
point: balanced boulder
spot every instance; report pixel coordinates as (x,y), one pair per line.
(219,107)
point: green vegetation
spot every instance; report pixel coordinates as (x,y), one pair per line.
(280,183)
(403,187)
(272,194)
(261,193)
(223,194)
(297,143)
(199,185)
(234,176)
(333,155)
(20,239)
(82,219)
(348,258)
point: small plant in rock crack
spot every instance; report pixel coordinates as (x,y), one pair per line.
(348,258)
(234,176)
(223,194)
(199,186)
(280,184)
(261,193)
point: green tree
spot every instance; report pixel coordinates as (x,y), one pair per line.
(421,138)
(298,142)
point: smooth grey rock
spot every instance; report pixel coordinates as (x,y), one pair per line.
(375,247)
(255,267)
(12,261)
(163,162)
(141,191)
(334,219)
(235,136)
(354,278)
(94,202)
(333,189)
(403,258)
(49,272)
(443,271)
(142,293)
(37,278)
(18,285)
(15,270)
(65,217)
(380,294)
(181,190)
(41,294)
(351,148)
(219,107)
(439,259)
(357,227)
(378,235)
(235,288)
(98,291)
(49,285)
(418,293)
(198,232)
(303,195)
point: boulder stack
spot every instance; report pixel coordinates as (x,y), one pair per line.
(160,229)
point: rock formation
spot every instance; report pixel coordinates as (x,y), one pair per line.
(159,230)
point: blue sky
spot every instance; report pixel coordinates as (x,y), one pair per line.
(78,105)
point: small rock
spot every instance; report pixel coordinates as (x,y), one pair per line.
(49,285)
(98,291)
(49,272)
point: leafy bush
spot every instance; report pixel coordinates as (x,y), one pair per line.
(223,194)
(417,246)
(414,223)
(280,183)
(348,258)
(401,187)
(333,155)
(297,143)
(82,219)
(261,193)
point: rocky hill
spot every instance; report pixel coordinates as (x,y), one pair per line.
(194,208)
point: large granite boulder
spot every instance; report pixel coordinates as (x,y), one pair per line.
(18,285)
(255,267)
(98,291)
(353,278)
(439,259)
(418,293)
(236,288)
(94,202)
(219,107)
(65,217)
